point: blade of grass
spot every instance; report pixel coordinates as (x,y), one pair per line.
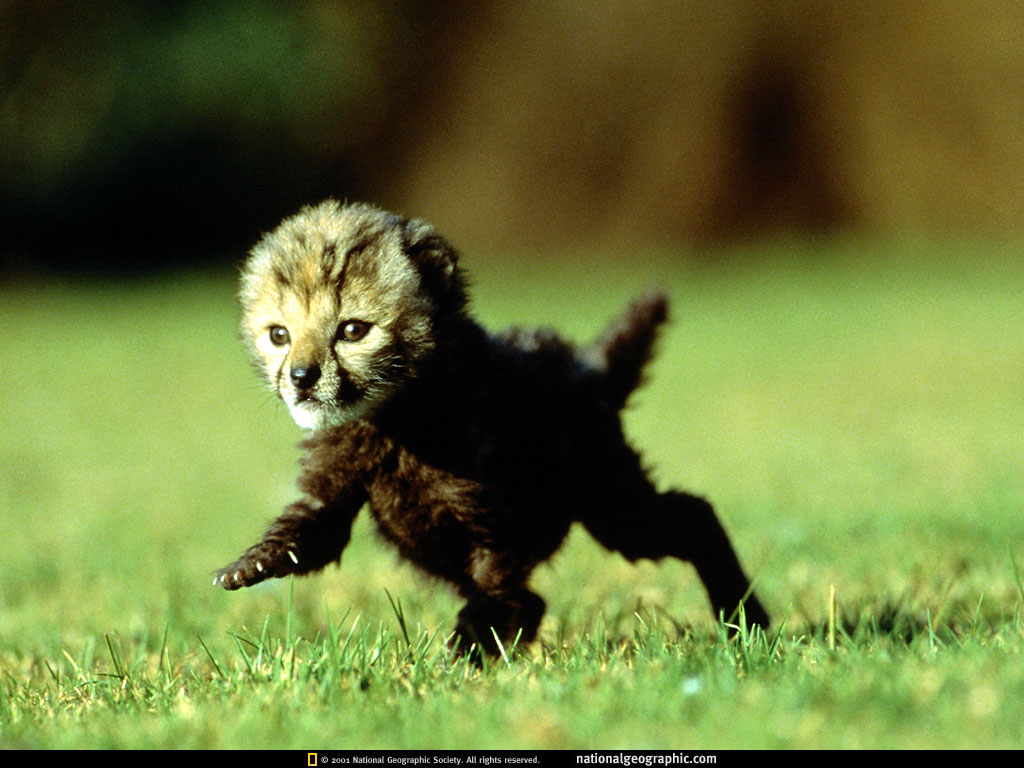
(115,659)
(1016,574)
(163,662)
(831,636)
(213,660)
(774,647)
(245,656)
(397,608)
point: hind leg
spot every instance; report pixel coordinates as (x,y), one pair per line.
(648,524)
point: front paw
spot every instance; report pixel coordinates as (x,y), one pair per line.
(259,563)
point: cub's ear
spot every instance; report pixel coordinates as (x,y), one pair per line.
(434,258)
(427,249)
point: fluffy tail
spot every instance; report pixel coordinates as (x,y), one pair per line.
(625,347)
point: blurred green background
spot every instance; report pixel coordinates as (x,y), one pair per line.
(170,132)
(794,152)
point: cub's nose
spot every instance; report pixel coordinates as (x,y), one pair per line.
(304,376)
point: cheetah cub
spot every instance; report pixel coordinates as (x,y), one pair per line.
(475,452)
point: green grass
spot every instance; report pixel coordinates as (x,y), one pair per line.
(855,410)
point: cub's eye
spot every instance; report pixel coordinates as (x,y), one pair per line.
(279,336)
(353,330)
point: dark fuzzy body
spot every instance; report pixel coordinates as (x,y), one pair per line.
(478,466)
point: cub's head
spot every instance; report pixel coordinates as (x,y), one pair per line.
(342,305)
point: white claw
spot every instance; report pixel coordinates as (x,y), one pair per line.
(259,566)
(293,557)
(238,575)
(222,577)
(215,581)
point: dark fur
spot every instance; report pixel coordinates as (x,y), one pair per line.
(478,467)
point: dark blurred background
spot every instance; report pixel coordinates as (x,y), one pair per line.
(135,135)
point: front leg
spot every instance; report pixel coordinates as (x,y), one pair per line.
(499,607)
(308,536)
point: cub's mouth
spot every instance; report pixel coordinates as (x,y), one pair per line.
(316,409)
(308,411)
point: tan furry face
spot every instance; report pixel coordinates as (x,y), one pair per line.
(336,312)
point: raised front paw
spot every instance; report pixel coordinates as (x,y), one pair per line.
(259,563)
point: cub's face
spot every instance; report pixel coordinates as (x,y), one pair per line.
(340,307)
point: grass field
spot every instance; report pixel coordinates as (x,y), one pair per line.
(855,411)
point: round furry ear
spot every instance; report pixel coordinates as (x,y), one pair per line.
(427,248)
(435,260)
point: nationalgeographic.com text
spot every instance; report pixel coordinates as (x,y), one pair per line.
(622,758)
